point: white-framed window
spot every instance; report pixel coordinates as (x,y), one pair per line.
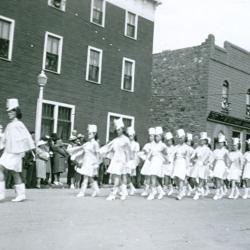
(248,103)
(57,118)
(128,74)
(131,25)
(52,53)
(94,65)
(128,121)
(58,4)
(7,27)
(98,10)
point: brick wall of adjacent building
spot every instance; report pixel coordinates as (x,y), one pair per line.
(92,101)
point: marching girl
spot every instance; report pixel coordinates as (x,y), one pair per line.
(120,154)
(181,161)
(202,155)
(220,159)
(235,169)
(246,171)
(144,156)
(134,162)
(88,158)
(157,158)
(169,166)
(16,141)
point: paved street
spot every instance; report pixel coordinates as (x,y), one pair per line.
(55,219)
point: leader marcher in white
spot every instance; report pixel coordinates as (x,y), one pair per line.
(16,141)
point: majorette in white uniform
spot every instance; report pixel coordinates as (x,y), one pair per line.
(157,156)
(220,157)
(168,167)
(135,148)
(246,159)
(16,140)
(145,154)
(236,161)
(181,157)
(191,150)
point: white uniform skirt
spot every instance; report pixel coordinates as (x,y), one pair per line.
(220,169)
(180,168)
(12,161)
(246,173)
(118,167)
(234,173)
(146,168)
(156,166)
(168,169)
(194,171)
(204,172)
(88,167)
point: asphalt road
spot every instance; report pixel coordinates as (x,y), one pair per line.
(55,219)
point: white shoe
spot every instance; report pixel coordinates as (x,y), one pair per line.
(207,192)
(96,189)
(217,197)
(72,186)
(231,196)
(171,191)
(123,197)
(237,195)
(179,197)
(245,196)
(144,194)
(196,197)
(2,197)
(20,190)
(56,183)
(19,198)
(2,190)
(132,191)
(111,197)
(161,195)
(151,197)
(81,194)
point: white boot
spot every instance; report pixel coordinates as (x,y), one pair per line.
(82,191)
(171,190)
(217,195)
(196,196)
(20,191)
(2,190)
(152,194)
(189,190)
(124,192)
(160,192)
(96,189)
(245,196)
(145,192)
(231,196)
(112,194)
(237,193)
(207,191)
(132,190)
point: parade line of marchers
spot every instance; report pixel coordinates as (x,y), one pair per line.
(183,161)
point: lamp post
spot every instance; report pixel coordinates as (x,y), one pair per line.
(41,81)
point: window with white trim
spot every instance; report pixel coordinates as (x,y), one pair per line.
(57,118)
(94,65)
(7,26)
(52,55)
(58,4)
(127,120)
(98,8)
(248,103)
(128,74)
(131,24)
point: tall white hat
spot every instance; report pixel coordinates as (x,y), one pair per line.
(151,131)
(209,140)
(236,141)
(189,137)
(203,136)
(168,136)
(180,133)
(158,130)
(92,128)
(72,138)
(130,131)
(12,104)
(221,138)
(248,141)
(118,123)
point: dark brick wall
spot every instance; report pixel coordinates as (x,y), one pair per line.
(93,102)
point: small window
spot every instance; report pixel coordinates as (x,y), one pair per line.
(128,74)
(248,103)
(98,12)
(127,120)
(57,118)
(52,53)
(6,37)
(94,65)
(131,24)
(58,4)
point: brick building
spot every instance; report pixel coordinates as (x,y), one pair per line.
(97,55)
(203,88)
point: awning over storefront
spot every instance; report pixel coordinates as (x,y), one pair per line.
(228,120)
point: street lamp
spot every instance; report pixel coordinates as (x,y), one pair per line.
(41,81)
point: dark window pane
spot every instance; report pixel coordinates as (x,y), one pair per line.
(64,123)
(127,84)
(93,73)
(4,48)
(97,16)
(47,119)
(57,3)
(51,62)
(130,30)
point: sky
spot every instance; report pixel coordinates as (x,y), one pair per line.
(186,23)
